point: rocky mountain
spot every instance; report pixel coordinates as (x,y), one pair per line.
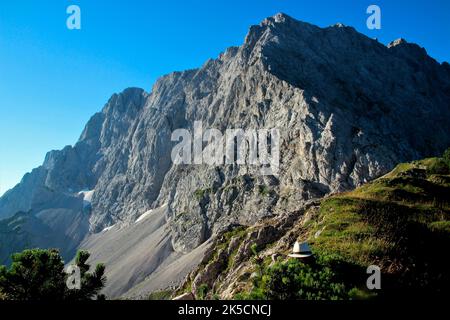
(347,107)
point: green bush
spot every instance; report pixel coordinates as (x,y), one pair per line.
(296,280)
(201,193)
(263,190)
(440,166)
(446,157)
(39,274)
(160,295)
(202,291)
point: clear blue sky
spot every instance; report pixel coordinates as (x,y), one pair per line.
(53,79)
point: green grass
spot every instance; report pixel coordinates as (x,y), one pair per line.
(400,221)
(238,232)
(441,226)
(325,278)
(263,190)
(201,193)
(160,295)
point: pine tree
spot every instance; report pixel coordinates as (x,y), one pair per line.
(39,274)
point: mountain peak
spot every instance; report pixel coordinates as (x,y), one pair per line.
(279,25)
(338,25)
(408,50)
(397,42)
(281,17)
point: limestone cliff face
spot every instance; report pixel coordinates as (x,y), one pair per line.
(348,109)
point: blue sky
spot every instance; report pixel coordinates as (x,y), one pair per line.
(53,79)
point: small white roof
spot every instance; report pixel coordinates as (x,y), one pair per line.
(301,250)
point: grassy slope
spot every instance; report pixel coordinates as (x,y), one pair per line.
(400,222)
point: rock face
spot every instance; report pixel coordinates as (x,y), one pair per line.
(348,109)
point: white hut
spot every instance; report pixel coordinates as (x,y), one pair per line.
(301,251)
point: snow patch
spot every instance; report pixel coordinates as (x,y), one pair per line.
(87,195)
(148,213)
(108,228)
(144,215)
